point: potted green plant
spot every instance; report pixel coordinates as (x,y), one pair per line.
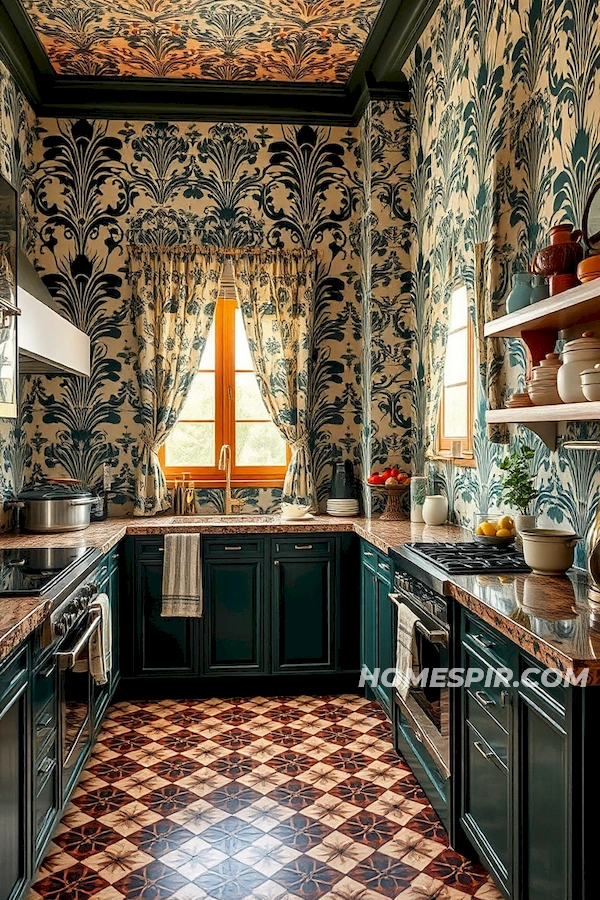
(518,490)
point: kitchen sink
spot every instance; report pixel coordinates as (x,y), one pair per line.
(221,519)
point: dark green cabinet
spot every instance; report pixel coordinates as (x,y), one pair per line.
(546,789)
(234,616)
(163,645)
(527,793)
(377,637)
(303,613)
(15,777)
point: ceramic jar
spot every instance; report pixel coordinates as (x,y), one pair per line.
(418,492)
(435,510)
(520,296)
(563,254)
(578,355)
(548,551)
(539,289)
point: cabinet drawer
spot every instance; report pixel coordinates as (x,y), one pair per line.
(12,673)
(149,547)
(369,556)
(555,696)
(491,695)
(304,544)
(488,727)
(233,546)
(485,640)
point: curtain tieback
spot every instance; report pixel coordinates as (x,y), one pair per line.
(149,442)
(300,444)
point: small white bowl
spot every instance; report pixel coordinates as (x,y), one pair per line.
(291,511)
(591,391)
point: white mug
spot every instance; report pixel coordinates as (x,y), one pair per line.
(435,510)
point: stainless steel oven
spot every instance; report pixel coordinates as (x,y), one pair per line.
(426,705)
(76,689)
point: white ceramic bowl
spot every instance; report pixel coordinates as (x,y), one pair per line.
(548,551)
(591,391)
(292,511)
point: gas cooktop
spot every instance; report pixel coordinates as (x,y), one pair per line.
(470,558)
(34,571)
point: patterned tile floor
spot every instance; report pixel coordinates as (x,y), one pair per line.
(266,799)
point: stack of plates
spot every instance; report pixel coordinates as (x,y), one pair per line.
(342,507)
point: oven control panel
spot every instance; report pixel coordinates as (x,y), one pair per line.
(423,595)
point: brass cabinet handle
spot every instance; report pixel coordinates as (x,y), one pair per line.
(368,553)
(484,699)
(303,546)
(384,566)
(276,563)
(232,548)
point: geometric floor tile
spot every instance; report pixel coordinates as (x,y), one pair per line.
(282,798)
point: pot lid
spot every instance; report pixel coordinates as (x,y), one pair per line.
(552,361)
(54,492)
(594,371)
(587,341)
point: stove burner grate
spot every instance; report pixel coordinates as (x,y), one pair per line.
(471,558)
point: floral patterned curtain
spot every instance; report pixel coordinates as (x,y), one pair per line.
(174,294)
(491,351)
(276,297)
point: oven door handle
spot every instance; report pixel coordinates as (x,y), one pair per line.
(439,636)
(67,659)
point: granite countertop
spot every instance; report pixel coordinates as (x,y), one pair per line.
(550,618)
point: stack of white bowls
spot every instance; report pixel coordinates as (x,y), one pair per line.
(590,383)
(342,507)
(542,388)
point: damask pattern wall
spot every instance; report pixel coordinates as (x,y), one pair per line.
(505,142)
(92,186)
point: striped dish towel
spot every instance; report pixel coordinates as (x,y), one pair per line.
(100,652)
(182,576)
(406,649)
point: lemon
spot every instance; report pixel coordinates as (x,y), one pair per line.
(503,532)
(489,529)
(506,522)
(479,530)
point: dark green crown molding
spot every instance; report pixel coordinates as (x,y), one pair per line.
(377,75)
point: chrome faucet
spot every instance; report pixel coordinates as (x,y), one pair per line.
(231,505)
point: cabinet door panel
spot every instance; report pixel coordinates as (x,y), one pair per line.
(13,793)
(545,785)
(164,645)
(303,622)
(368,617)
(385,643)
(487,804)
(234,616)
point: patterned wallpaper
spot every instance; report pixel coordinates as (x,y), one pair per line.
(505,142)
(91,185)
(256,40)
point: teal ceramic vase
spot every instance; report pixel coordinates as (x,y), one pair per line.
(520,296)
(539,289)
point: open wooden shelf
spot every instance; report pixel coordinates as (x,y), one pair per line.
(543,420)
(575,307)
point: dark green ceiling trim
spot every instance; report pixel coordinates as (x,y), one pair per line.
(376,75)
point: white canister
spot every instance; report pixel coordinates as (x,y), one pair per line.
(582,353)
(435,510)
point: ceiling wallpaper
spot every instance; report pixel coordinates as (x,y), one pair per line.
(240,40)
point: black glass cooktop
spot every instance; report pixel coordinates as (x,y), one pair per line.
(33,571)
(471,558)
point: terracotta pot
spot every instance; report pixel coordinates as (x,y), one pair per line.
(589,268)
(562,234)
(561,283)
(561,257)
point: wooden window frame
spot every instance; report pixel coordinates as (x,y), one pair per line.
(444,444)
(225,430)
